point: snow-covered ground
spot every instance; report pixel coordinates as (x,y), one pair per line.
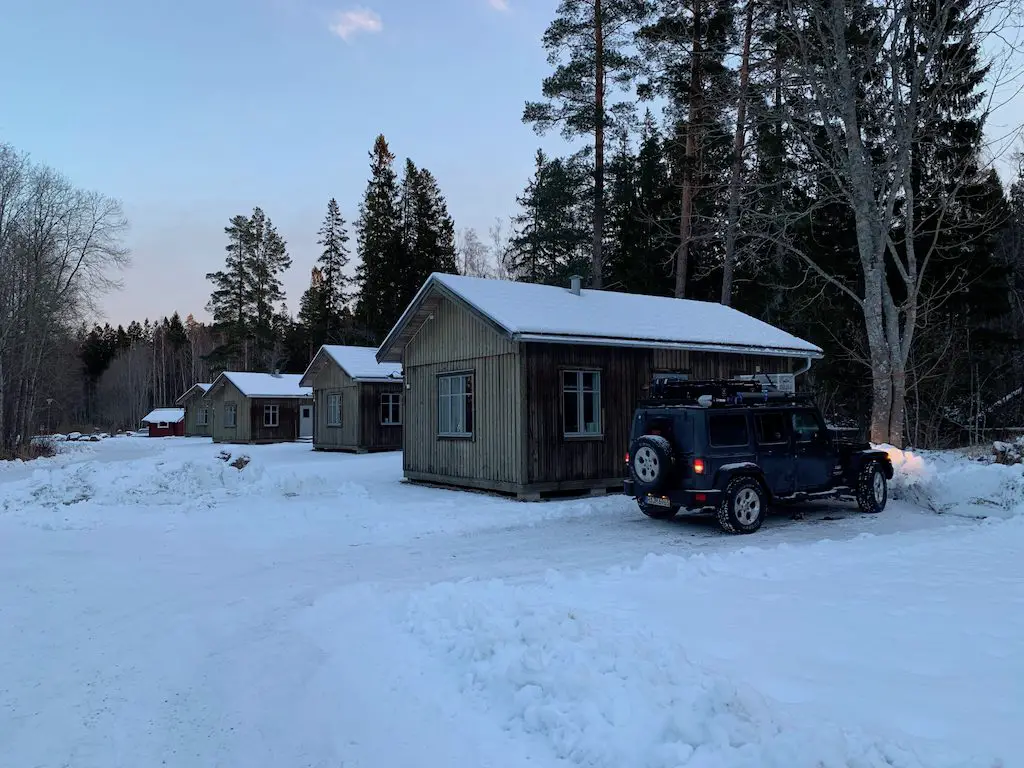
(159,607)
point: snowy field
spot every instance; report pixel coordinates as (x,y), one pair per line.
(161,608)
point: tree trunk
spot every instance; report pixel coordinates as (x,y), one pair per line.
(597,257)
(738,143)
(690,160)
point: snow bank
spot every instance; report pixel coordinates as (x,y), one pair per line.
(670,664)
(947,483)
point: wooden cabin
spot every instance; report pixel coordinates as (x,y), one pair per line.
(357,401)
(165,422)
(530,389)
(259,408)
(197,410)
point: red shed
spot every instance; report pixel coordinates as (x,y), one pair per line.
(166,422)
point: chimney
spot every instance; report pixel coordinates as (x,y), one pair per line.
(574,284)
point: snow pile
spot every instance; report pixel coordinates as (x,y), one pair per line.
(1009,453)
(945,482)
(858,653)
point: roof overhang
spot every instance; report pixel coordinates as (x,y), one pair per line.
(191,392)
(690,346)
(315,366)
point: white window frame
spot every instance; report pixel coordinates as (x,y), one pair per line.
(203,417)
(334,418)
(162,425)
(271,415)
(391,401)
(581,393)
(446,401)
(230,415)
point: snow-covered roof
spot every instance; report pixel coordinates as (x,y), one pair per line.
(265,384)
(164,415)
(195,389)
(359,363)
(546,313)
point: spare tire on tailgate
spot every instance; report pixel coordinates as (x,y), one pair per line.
(651,464)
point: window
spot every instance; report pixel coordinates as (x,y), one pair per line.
(455,405)
(162,425)
(728,430)
(581,403)
(230,415)
(805,426)
(334,409)
(203,417)
(271,415)
(391,408)
(770,428)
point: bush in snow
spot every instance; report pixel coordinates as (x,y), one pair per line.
(37,448)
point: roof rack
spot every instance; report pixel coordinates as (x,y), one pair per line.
(676,389)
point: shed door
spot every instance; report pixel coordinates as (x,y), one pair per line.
(306,421)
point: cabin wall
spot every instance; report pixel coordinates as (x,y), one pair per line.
(458,341)
(375,436)
(332,380)
(192,407)
(555,461)
(287,429)
(229,393)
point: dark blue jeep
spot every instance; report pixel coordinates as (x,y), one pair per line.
(732,448)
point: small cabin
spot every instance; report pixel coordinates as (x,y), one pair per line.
(252,407)
(530,389)
(165,422)
(358,401)
(197,410)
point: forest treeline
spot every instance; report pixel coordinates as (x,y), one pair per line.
(821,165)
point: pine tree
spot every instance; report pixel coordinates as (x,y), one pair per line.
(590,47)
(268,259)
(379,228)
(230,303)
(333,260)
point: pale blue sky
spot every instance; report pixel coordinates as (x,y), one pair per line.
(194,110)
(191,111)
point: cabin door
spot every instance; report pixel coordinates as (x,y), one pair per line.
(306,421)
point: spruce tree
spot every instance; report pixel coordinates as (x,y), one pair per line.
(268,259)
(590,46)
(379,228)
(549,243)
(332,262)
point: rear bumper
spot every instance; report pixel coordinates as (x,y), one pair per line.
(684,499)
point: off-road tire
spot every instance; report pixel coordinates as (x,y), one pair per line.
(652,464)
(743,507)
(872,488)
(657,513)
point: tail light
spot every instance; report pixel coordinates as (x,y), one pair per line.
(627,457)
(698,466)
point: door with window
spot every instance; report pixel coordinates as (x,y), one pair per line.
(306,421)
(815,456)
(773,437)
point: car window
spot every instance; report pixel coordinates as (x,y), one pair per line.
(728,430)
(770,428)
(805,426)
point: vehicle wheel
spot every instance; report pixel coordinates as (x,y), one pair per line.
(872,488)
(743,506)
(657,513)
(651,463)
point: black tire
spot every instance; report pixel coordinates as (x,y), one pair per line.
(657,513)
(651,464)
(743,506)
(872,488)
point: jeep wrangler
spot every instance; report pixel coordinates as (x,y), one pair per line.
(733,448)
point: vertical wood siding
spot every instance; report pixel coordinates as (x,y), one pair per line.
(287,429)
(552,458)
(192,407)
(456,340)
(375,436)
(217,401)
(332,380)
